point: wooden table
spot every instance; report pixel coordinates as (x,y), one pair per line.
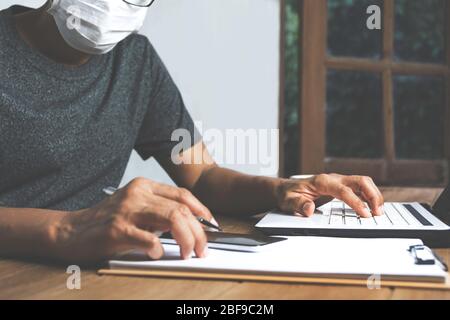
(25,280)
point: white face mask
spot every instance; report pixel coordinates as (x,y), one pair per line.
(96,26)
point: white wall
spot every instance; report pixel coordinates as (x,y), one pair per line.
(224,56)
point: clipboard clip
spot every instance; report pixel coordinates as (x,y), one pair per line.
(425,256)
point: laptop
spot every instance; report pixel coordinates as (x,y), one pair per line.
(400,220)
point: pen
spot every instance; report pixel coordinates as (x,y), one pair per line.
(111,190)
(208,224)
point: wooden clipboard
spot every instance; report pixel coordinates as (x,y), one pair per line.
(269,278)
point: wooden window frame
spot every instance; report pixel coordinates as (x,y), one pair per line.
(312,127)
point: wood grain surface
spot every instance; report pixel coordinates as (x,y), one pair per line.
(39,280)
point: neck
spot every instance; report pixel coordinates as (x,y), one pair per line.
(38,29)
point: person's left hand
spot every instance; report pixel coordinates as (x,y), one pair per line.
(302,196)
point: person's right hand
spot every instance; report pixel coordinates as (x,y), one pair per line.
(128,219)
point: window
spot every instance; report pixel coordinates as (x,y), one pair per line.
(370,102)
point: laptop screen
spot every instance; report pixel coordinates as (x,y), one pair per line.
(441,208)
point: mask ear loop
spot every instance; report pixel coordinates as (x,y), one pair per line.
(51,4)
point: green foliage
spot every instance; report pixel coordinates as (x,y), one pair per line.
(348,35)
(419,33)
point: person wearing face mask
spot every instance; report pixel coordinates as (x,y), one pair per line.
(79,90)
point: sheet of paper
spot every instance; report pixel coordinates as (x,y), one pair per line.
(305,256)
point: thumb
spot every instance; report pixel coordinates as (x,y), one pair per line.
(300,205)
(308,208)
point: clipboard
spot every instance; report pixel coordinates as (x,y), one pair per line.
(405,263)
(194,275)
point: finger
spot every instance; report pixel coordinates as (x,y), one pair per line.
(183,196)
(164,214)
(368,191)
(161,217)
(150,243)
(373,196)
(380,196)
(346,194)
(299,204)
(182,233)
(156,214)
(200,246)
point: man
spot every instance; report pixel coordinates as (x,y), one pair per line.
(79,90)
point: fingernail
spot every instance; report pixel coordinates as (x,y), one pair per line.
(378,212)
(306,206)
(188,256)
(205,252)
(213,221)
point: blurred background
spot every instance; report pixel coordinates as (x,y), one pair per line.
(345,98)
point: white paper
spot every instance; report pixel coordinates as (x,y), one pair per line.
(307,256)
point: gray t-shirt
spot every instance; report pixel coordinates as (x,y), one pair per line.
(68,132)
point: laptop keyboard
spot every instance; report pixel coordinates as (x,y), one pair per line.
(395,214)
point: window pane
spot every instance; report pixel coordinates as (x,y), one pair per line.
(420,30)
(354,115)
(419,117)
(291,89)
(348,34)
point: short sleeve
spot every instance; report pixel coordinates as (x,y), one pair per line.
(166,113)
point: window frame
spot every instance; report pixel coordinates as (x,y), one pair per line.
(315,62)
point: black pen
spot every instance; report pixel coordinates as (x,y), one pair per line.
(111,190)
(208,224)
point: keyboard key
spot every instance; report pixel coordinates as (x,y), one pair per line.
(382,221)
(394,216)
(350,213)
(417,215)
(351,221)
(406,215)
(336,220)
(337,206)
(353,212)
(370,222)
(337,212)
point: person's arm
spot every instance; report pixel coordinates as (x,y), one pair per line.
(28,232)
(127,220)
(229,192)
